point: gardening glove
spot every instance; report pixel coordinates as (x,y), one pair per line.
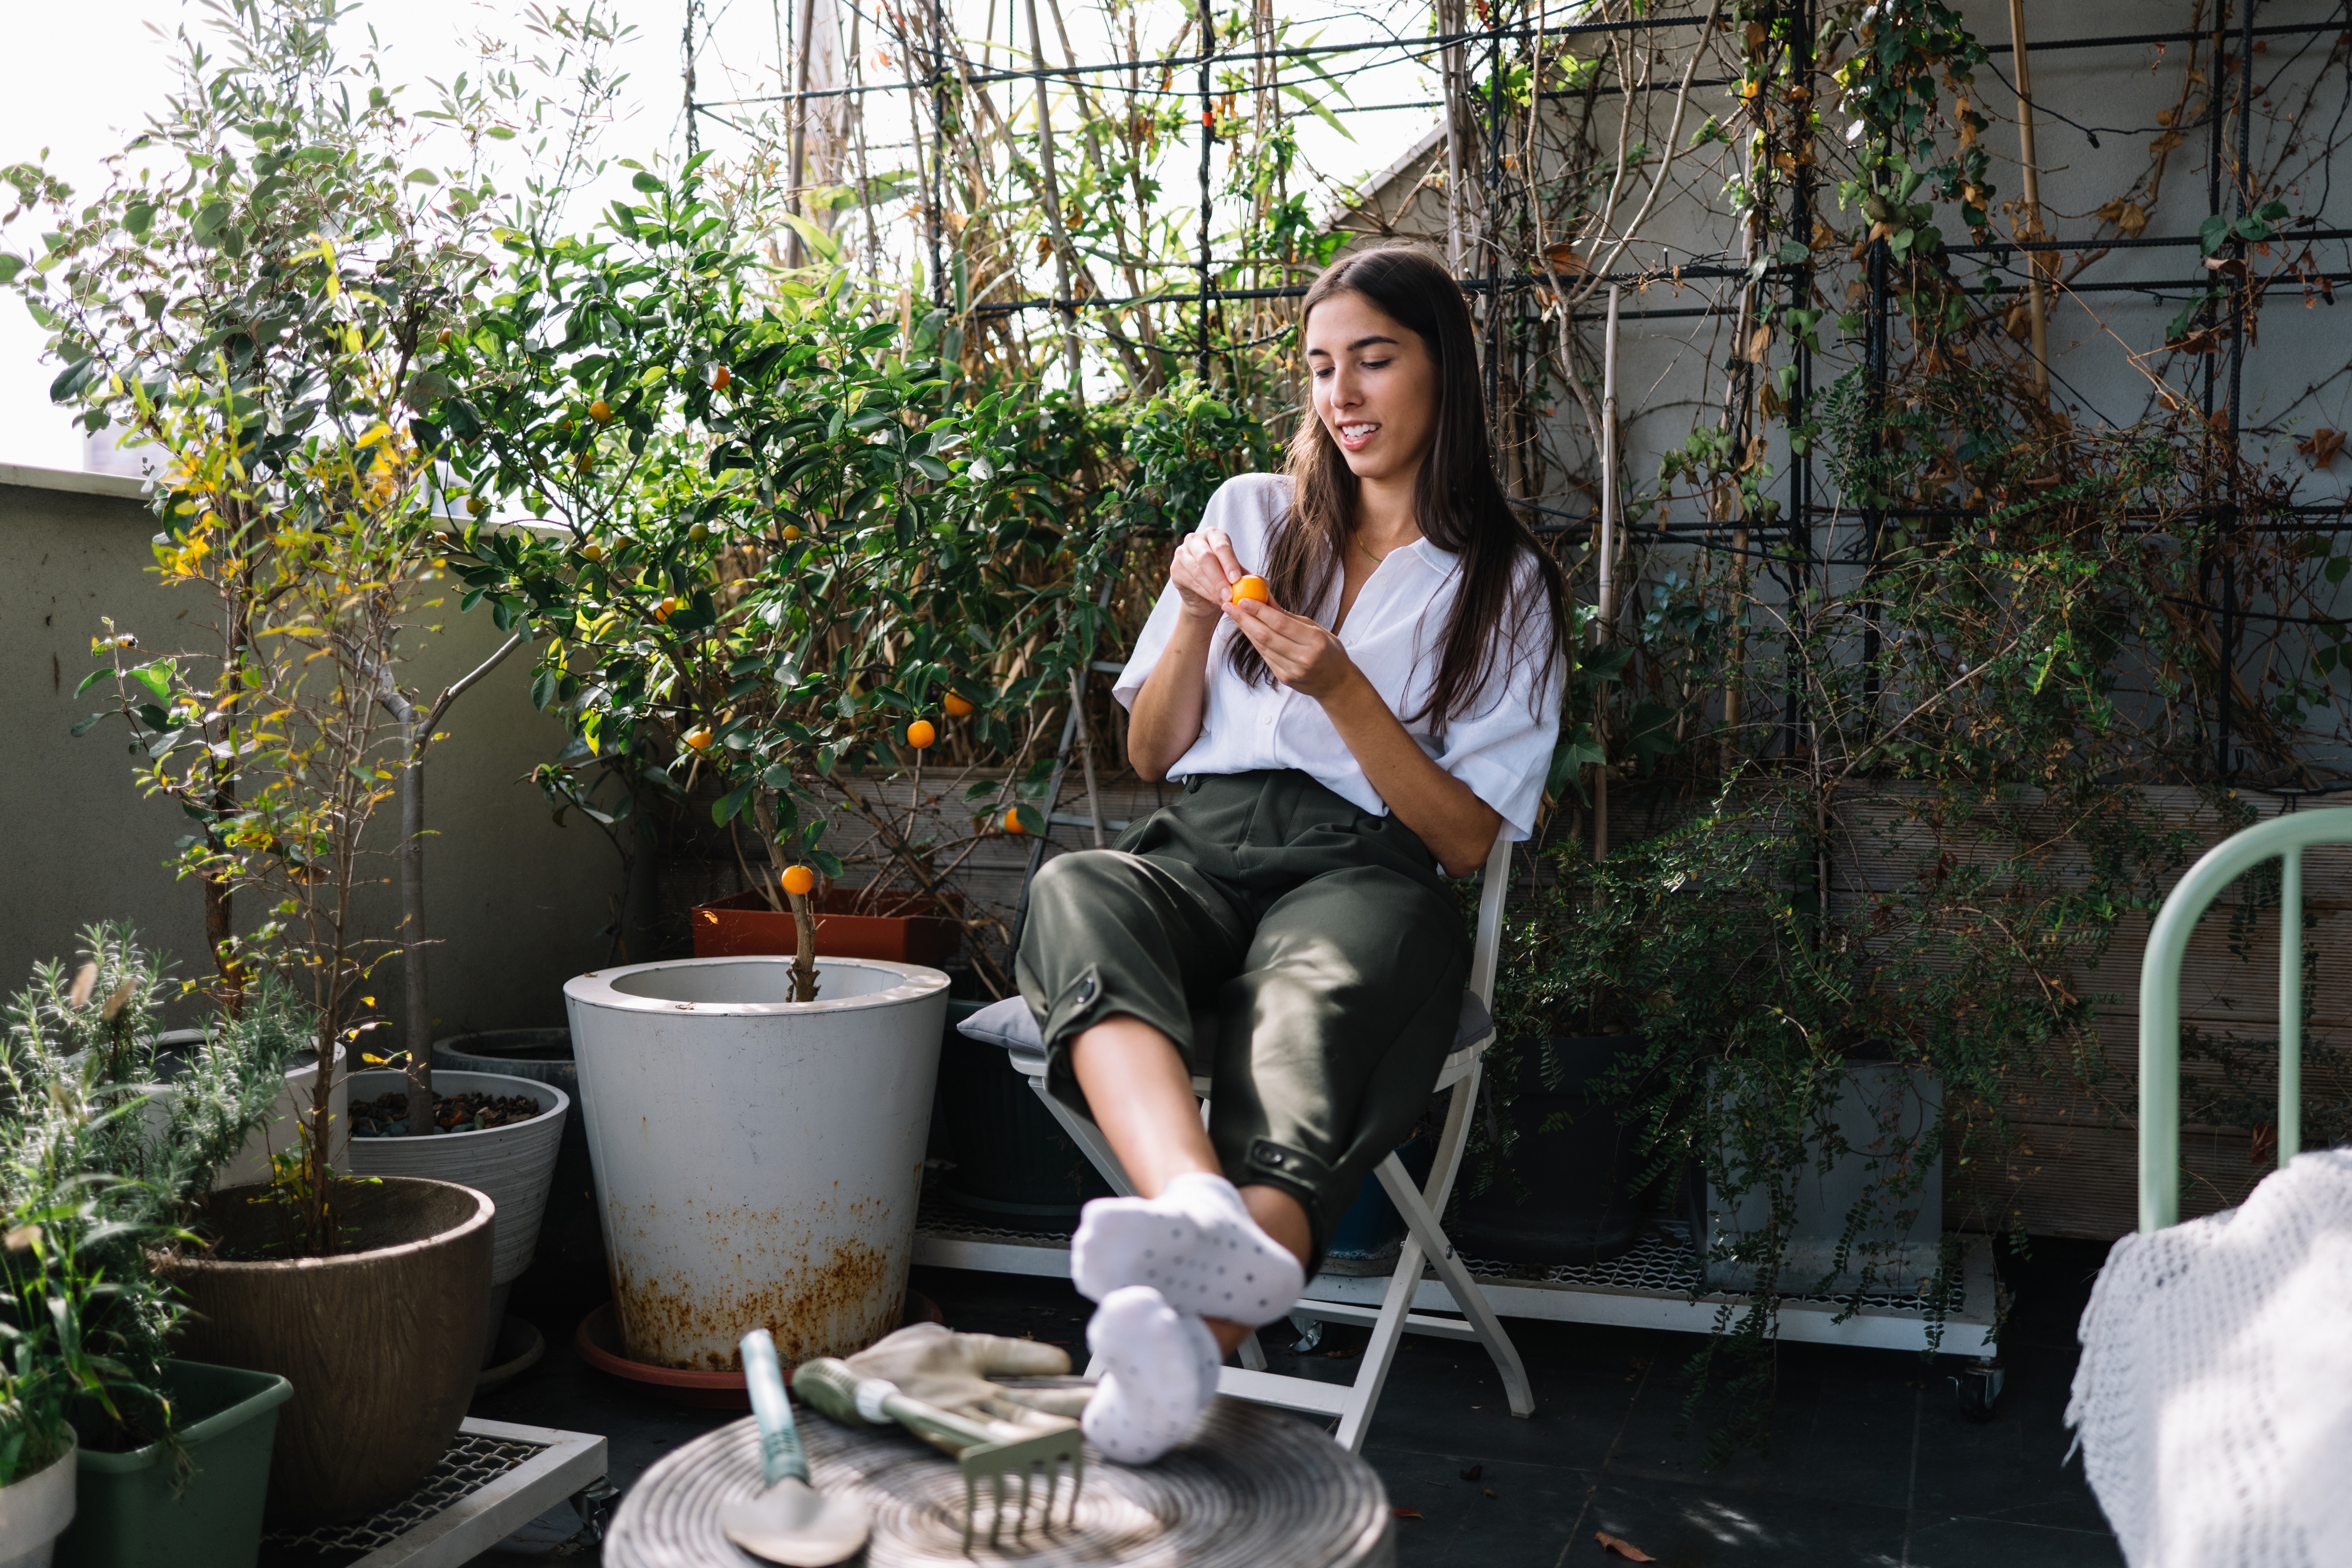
(939,1366)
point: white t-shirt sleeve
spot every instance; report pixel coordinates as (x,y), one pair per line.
(1503,750)
(1239,506)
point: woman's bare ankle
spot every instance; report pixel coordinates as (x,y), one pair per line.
(1228,1335)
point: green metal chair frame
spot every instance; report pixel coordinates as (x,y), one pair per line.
(2284,837)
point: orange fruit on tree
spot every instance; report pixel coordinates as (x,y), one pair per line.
(957,707)
(919,734)
(1012,821)
(699,738)
(799,881)
(592,552)
(720,378)
(791,532)
(666,609)
(1252,587)
(476,506)
(600,412)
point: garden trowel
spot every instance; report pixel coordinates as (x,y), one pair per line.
(790,1523)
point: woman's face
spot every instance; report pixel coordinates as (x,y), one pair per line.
(1374,384)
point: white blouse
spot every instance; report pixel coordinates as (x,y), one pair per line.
(1502,749)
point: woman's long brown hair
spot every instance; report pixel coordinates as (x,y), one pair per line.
(1457,501)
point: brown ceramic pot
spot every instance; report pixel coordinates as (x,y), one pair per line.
(381,1342)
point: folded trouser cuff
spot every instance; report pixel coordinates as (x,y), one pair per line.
(1303,1176)
(1084,1001)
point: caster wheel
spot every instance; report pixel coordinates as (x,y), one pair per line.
(1978,1389)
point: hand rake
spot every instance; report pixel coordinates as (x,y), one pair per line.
(985,1451)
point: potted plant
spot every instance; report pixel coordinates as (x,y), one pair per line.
(775,565)
(266,309)
(98,1172)
(777,560)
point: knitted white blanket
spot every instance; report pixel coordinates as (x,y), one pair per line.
(2214,1401)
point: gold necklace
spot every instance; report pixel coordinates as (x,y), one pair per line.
(1376,560)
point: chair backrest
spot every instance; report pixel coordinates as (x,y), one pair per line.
(2159,995)
(1491,892)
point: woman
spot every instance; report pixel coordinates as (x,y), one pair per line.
(1344,748)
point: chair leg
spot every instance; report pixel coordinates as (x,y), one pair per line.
(1253,1354)
(1388,1331)
(1425,1233)
(1089,1139)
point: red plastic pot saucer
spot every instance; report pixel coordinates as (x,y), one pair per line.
(598,1340)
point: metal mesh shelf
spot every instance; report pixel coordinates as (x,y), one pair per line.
(494,1479)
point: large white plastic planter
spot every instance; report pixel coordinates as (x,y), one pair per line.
(758,1160)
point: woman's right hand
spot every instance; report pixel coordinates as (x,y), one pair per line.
(1205,572)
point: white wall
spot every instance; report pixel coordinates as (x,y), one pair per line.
(513,899)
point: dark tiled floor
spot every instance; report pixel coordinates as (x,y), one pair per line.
(1871,1462)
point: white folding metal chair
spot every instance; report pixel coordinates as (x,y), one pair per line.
(1424,1244)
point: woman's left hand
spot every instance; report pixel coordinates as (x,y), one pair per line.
(1299,652)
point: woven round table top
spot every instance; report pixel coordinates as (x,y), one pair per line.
(1253,1488)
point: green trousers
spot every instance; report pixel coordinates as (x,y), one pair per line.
(1324,940)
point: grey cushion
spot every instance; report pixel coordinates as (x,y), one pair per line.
(1009,1024)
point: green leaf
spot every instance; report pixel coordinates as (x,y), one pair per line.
(1569,759)
(86,725)
(71,380)
(2213,234)
(729,806)
(1316,106)
(542,688)
(103,671)
(825,245)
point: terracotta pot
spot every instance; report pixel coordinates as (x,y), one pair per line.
(743,926)
(381,1342)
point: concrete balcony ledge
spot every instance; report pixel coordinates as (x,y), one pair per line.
(69,481)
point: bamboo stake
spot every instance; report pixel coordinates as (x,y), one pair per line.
(1061,241)
(1452,23)
(793,253)
(1600,628)
(2038,316)
(1087,751)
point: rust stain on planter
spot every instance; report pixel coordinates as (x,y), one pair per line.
(833,1298)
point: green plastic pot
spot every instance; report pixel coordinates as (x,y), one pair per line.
(126,1516)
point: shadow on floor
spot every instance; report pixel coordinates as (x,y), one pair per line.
(1871,1462)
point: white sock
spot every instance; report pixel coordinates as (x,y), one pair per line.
(1195,1244)
(1161,1372)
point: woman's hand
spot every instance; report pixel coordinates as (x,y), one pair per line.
(1205,572)
(1168,713)
(1299,652)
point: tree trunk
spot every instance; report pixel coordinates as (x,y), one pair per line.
(416,986)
